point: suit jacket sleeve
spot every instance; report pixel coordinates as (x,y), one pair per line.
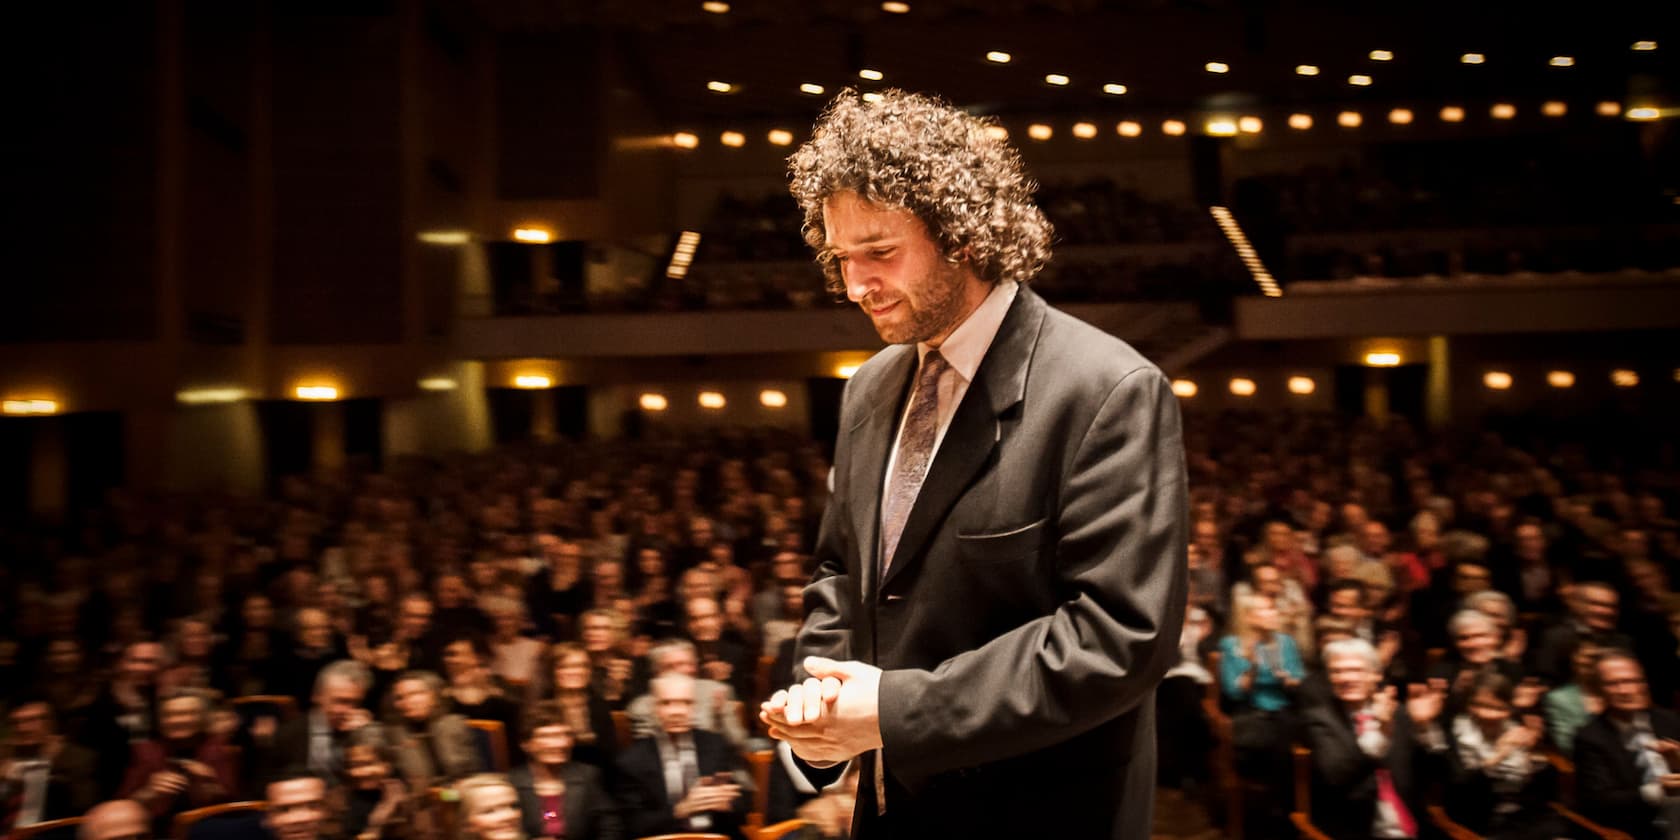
(1121,559)
(1596,779)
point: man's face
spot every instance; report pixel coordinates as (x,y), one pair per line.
(1531,542)
(141,662)
(1279,537)
(314,630)
(337,699)
(1268,581)
(1477,641)
(1624,687)
(1470,578)
(364,766)
(296,808)
(892,269)
(1347,604)
(682,661)
(459,657)
(195,640)
(1374,539)
(31,725)
(415,618)
(674,705)
(181,718)
(597,633)
(451,591)
(1597,607)
(705,623)
(1351,678)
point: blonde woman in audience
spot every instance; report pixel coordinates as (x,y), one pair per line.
(578,700)
(489,809)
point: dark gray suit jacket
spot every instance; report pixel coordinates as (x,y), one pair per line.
(1037,592)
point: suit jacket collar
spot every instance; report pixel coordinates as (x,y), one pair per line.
(982,420)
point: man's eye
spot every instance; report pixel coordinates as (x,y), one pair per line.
(881,253)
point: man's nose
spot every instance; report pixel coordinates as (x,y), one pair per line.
(859,283)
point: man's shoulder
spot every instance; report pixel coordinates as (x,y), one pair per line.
(1080,351)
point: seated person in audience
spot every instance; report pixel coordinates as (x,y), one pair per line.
(515,658)
(1315,686)
(378,805)
(681,779)
(594,737)
(1180,718)
(559,797)
(489,809)
(313,645)
(1495,786)
(123,713)
(1627,760)
(431,745)
(317,740)
(612,674)
(296,805)
(473,691)
(1366,747)
(790,614)
(190,664)
(1496,605)
(715,707)
(1568,707)
(186,767)
(1345,599)
(43,777)
(118,819)
(830,814)
(723,656)
(1476,650)
(1294,610)
(1259,669)
(1594,608)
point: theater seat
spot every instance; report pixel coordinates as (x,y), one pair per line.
(491,738)
(228,821)
(64,829)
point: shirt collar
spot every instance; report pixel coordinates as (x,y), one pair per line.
(966,346)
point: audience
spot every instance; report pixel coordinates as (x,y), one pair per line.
(681,778)
(1627,760)
(296,805)
(42,776)
(431,745)
(559,797)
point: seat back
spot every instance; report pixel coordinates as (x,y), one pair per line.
(621,726)
(781,829)
(280,706)
(491,739)
(64,829)
(228,821)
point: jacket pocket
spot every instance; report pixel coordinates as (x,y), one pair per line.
(1002,546)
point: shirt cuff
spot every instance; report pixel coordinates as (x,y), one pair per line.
(1652,793)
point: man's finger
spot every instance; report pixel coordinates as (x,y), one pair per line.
(813,700)
(830,689)
(795,705)
(821,667)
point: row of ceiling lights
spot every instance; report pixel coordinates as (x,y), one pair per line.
(1227,126)
(1493,380)
(1113,88)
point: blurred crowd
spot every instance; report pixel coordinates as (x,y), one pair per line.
(572,640)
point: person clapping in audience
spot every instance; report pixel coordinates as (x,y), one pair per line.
(557,796)
(431,744)
(1495,787)
(1627,760)
(681,779)
(185,767)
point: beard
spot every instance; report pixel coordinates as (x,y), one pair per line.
(928,306)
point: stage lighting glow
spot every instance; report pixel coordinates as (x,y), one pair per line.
(684,140)
(810,89)
(1382,55)
(1217,67)
(716,86)
(780,137)
(712,400)
(1306,70)
(1473,58)
(29,407)
(733,139)
(1250,125)
(1554,108)
(1221,127)
(1359,80)
(1400,116)
(1624,378)
(533,381)
(1563,61)
(1609,109)
(533,235)
(1503,111)
(210,396)
(997,132)
(1173,128)
(316,392)
(1084,130)
(1560,379)
(871,74)
(1382,359)
(1349,119)
(1452,114)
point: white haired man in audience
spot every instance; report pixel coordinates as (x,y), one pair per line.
(716,708)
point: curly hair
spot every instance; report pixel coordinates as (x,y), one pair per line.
(919,153)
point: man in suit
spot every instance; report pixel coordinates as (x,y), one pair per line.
(1594,609)
(1366,747)
(1627,760)
(42,776)
(317,740)
(1000,577)
(681,779)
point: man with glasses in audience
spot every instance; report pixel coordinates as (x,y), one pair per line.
(1627,760)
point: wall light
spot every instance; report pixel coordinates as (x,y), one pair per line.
(210,396)
(1221,127)
(1503,111)
(439,383)
(719,87)
(998,57)
(444,237)
(1242,387)
(733,139)
(1302,385)
(653,402)
(1127,128)
(780,137)
(810,89)
(716,7)
(1473,58)
(1560,379)
(772,398)
(1184,388)
(533,381)
(1300,122)
(1113,89)
(1554,108)
(1306,70)
(871,74)
(1039,131)
(895,7)
(1563,61)
(997,132)
(1609,109)
(1359,80)
(1624,378)
(1349,119)
(1056,79)
(1452,114)
(316,392)
(1250,125)
(1643,114)
(872,96)
(684,140)
(1400,116)
(712,400)
(846,371)
(533,235)
(1172,128)
(1382,55)
(1497,380)
(1644,46)
(1217,67)
(1382,359)
(1084,130)
(29,407)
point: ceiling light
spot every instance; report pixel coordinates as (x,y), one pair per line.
(1400,116)
(1056,79)
(439,383)
(1306,70)
(1624,378)
(1217,67)
(846,371)
(533,381)
(1113,89)
(772,398)
(1644,46)
(733,139)
(445,237)
(1242,387)
(998,57)
(1560,379)
(1473,58)
(1359,80)
(872,96)
(1128,128)
(810,89)
(712,400)
(1084,130)
(1497,380)
(1382,359)
(1220,127)
(1184,388)
(1609,109)
(1563,61)
(1039,131)
(1172,128)
(895,7)
(1554,108)
(719,87)
(780,137)
(316,392)
(716,7)
(997,132)
(1349,119)
(210,396)
(1643,114)
(871,74)
(1302,385)
(534,235)
(684,140)
(1250,125)
(1503,111)
(653,402)
(1300,122)
(1452,113)
(30,407)
(1382,55)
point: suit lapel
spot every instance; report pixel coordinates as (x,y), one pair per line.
(871,442)
(976,429)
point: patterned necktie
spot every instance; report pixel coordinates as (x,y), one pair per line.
(915,451)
